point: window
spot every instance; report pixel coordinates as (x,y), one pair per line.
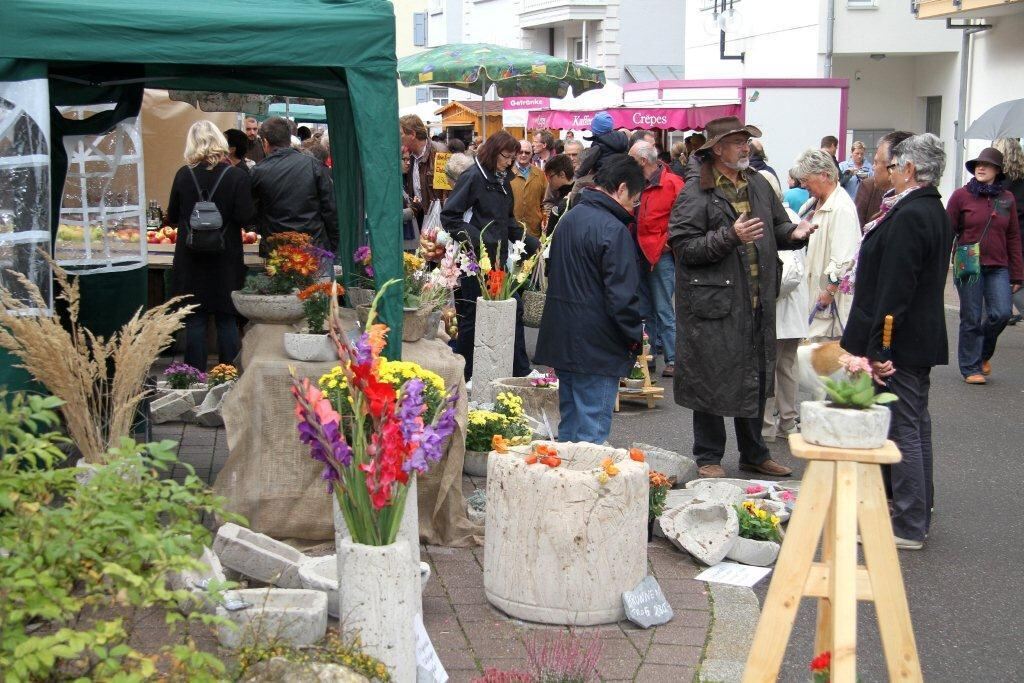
(439,95)
(579,51)
(870,138)
(933,114)
(419,29)
(861,4)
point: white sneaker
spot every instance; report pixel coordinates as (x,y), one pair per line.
(907,544)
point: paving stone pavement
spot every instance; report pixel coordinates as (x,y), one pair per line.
(471,636)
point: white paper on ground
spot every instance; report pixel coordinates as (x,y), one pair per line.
(428,666)
(733,574)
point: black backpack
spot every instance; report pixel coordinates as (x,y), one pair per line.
(206,225)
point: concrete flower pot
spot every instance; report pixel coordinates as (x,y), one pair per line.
(321,574)
(293,616)
(717,491)
(677,467)
(415,321)
(309,348)
(273,309)
(493,345)
(705,530)
(475,464)
(756,553)
(377,594)
(824,425)
(633,384)
(540,403)
(560,547)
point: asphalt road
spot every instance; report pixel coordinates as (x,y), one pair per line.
(964,587)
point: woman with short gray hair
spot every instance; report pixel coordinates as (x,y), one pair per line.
(901,272)
(832,249)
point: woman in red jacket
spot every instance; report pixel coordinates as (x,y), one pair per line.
(982,211)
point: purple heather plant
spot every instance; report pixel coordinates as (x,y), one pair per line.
(564,659)
(183,375)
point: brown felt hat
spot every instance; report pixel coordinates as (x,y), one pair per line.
(990,155)
(717,129)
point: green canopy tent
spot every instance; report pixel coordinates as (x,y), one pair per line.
(77,52)
(301,113)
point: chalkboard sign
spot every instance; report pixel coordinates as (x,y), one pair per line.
(646,605)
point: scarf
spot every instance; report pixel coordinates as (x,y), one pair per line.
(979,189)
(889,200)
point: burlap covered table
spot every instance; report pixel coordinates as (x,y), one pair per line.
(269,476)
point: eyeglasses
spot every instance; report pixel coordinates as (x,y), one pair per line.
(530,152)
(506,156)
(890,167)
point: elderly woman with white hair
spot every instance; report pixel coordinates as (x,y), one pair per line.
(832,250)
(901,272)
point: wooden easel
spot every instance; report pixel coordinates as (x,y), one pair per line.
(648,392)
(841,490)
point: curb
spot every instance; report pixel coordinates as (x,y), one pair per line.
(735,611)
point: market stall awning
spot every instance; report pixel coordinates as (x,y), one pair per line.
(689,118)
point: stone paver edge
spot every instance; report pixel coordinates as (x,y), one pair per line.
(734,615)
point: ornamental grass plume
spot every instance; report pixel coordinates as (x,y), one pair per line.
(99,380)
(564,659)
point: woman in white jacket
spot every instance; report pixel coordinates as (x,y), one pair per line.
(832,249)
(791,306)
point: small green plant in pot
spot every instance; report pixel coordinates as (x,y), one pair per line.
(857,389)
(316,304)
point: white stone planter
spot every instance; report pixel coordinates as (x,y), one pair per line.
(776,508)
(493,346)
(633,384)
(377,597)
(273,309)
(756,553)
(683,468)
(824,425)
(717,491)
(294,616)
(309,348)
(538,402)
(705,530)
(433,324)
(559,546)
(475,463)
(321,574)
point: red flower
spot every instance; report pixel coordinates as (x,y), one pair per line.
(495,279)
(820,664)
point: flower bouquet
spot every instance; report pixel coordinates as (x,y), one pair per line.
(497,283)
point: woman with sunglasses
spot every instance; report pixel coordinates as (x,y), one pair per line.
(482,198)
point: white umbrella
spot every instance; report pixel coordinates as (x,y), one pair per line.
(1004,120)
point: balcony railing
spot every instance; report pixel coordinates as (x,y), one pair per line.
(966,9)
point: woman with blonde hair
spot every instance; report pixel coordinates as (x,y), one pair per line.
(208,269)
(678,165)
(1013,169)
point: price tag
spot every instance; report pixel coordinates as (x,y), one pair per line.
(646,605)
(428,665)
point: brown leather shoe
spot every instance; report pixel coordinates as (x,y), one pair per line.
(710,471)
(669,371)
(975,379)
(986,368)
(769,467)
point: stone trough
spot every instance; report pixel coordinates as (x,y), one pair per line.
(296,617)
(561,547)
(258,556)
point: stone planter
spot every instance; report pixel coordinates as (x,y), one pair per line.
(321,574)
(633,384)
(475,464)
(309,347)
(377,594)
(433,321)
(293,616)
(272,309)
(776,508)
(756,553)
(493,345)
(823,425)
(415,321)
(705,530)
(560,547)
(540,403)
(717,491)
(677,467)
(360,296)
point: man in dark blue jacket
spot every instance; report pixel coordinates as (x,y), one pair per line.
(591,331)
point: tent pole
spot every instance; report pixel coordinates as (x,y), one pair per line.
(483,104)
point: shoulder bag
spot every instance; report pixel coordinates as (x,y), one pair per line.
(967,257)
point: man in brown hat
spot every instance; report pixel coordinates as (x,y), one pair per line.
(725,230)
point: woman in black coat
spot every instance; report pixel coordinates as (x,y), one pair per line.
(482,198)
(209,278)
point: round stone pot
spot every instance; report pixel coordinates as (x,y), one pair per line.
(559,546)
(538,402)
(377,591)
(475,464)
(493,345)
(756,553)
(824,425)
(633,384)
(273,309)
(309,348)
(415,322)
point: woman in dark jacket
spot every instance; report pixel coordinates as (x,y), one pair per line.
(982,211)
(209,278)
(901,271)
(482,198)
(1013,167)
(591,330)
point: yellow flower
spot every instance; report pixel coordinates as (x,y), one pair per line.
(485,264)
(774,520)
(761,514)
(602,477)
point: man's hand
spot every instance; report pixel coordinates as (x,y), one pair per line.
(881,369)
(748,230)
(803,231)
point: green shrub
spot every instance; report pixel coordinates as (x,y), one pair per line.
(74,553)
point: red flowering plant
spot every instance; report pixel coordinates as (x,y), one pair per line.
(389,436)
(820,667)
(293,263)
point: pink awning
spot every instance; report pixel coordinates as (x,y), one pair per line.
(689,118)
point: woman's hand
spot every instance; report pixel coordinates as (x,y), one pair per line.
(825,299)
(881,369)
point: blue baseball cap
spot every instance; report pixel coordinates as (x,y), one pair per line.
(601,124)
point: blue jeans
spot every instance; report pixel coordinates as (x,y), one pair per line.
(228,344)
(586,403)
(662,284)
(985,306)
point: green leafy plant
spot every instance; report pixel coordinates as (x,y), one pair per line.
(77,556)
(857,389)
(756,523)
(659,486)
(637,372)
(507,420)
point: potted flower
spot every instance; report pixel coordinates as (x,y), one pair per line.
(659,486)
(539,396)
(183,378)
(854,416)
(760,536)
(363,287)
(314,345)
(221,374)
(292,265)
(507,422)
(635,380)
(372,439)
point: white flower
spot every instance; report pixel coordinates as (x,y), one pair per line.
(516,251)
